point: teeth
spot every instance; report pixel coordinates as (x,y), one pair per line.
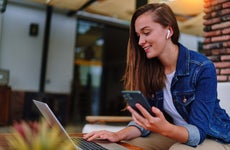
(146,47)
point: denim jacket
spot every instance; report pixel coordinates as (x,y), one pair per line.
(194,94)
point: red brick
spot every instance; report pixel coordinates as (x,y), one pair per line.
(226,5)
(217,71)
(213,33)
(221,25)
(211,21)
(222,78)
(222,64)
(216,51)
(225,57)
(226,31)
(215,2)
(222,51)
(226,44)
(220,38)
(225,71)
(207,40)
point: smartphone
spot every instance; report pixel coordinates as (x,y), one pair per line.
(133,97)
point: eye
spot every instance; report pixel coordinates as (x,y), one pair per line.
(146,33)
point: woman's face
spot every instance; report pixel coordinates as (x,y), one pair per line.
(152,35)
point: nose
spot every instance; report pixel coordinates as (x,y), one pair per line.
(141,40)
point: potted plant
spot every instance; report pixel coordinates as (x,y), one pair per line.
(37,135)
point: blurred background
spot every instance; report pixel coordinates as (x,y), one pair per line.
(72,54)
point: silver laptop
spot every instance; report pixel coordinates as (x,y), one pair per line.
(52,120)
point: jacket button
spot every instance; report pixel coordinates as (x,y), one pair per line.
(184,100)
(153,96)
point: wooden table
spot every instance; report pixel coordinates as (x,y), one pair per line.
(108,119)
(3,142)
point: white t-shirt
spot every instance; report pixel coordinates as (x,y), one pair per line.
(168,102)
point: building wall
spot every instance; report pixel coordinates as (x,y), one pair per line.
(217,36)
(21,53)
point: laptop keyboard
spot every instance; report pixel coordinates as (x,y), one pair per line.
(86,145)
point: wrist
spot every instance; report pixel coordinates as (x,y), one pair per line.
(168,130)
(128,133)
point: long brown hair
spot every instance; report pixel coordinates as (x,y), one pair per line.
(147,75)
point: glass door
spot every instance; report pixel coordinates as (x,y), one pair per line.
(88,68)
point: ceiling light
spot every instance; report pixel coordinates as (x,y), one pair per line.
(48,1)
(3,5)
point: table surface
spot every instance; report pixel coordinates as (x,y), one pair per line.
(3,142)
(106,119)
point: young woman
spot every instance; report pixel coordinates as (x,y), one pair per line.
(180,84)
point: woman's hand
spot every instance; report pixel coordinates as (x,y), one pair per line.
(102,134)
(124,134)
(156,123)
(159,124)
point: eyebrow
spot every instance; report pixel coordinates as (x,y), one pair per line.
(144,28)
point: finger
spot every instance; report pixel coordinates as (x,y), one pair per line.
(133,112)
(87,135)
(136,116)
(95,136)
(157,112)
(144,112)
(92,135)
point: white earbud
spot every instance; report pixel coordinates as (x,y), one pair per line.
(168,34)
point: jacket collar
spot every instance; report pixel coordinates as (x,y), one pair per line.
(182,68)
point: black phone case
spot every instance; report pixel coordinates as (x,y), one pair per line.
(133,97)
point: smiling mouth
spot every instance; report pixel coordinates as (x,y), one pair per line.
(146,48)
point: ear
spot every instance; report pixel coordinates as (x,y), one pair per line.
(168,34)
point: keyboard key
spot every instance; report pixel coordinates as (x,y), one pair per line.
(86,145)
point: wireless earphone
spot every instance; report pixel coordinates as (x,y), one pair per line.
(168,33)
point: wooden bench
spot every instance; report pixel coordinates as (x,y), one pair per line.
(105,123)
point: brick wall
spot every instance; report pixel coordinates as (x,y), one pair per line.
(216,43)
